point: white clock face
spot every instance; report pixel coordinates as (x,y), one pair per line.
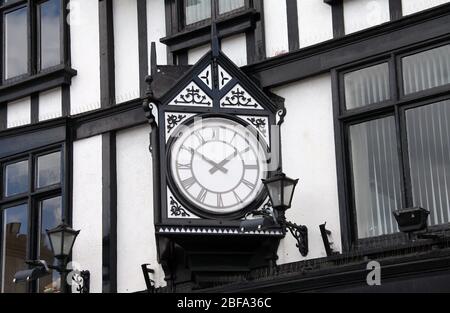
(218,164)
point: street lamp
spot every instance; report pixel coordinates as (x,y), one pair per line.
(281,190)
(62,239)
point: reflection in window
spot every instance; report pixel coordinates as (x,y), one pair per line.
(197,10)
(426,69)
(428,130)
(51,216)
(16,43)
(16,178)
(50,46)
(230,5)
(376,178)
(14,246)
(367,86)
(49,169)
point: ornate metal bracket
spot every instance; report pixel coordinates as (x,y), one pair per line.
(300,233)
(82,280)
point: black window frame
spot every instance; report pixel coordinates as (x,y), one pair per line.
(33,198)
(35,80)
(396,106)
(181,37)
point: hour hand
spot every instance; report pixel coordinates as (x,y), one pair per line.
(216,165)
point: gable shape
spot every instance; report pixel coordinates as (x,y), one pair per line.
(231,77)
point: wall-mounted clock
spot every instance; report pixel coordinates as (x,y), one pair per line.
(217,164)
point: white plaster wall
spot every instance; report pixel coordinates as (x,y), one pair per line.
(18,112)
(50,104)
(126,50)
(309,154)
(235,47)
(136,243)
(413,6)
(85,56)
(156,29)
(275,26)
(87,207)
(314,22)
(197,53)
(359,14)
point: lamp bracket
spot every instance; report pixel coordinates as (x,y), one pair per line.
(300,233)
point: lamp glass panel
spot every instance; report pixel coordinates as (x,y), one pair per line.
(69,238)
(56,239)
(275,194)
(288,193)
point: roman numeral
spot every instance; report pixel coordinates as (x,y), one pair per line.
(184,166)
(234,137)
(202,195)
(189,149)
(248,184)
(245,150)
(199,136)
(219,201)
(188,183)
(251,167)
(215,134)
(237,197)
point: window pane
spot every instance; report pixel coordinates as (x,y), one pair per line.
(16,178)
(51,216)
(367,86)
(16,50)
(376,178)
(230,5)
(50,33)
(14,246)
(426,69)
(49,169)
(197,10)
(429,156)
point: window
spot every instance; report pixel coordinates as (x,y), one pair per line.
(397,139)
(199,10)
(28,55)
(30,203)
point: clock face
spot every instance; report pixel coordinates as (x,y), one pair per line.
(217,165)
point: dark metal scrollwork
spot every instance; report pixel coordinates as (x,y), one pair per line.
(82,280)
(300,233)
(259,123)
(239,99)
(176,209)
(192,96)
(173,120)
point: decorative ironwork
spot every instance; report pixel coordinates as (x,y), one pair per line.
(281,113)
(205,76)
(224,77)
(82,280)
(300,233)
(176,209)
(192,95)
(259,123)
(239,97)
(173,120)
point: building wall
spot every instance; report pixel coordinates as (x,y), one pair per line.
(50,104)
(126,50)
(87,207)
(275,27)
(308,153)
(18,112)
(136,243)
(314,22)
(359,15)
(413,6)
(85,56)
(156,29)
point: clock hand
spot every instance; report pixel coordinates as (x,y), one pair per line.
(226,160)
(219,167)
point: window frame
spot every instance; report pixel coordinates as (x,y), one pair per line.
(181,37)
(33,199)
(35,80)
(396,107)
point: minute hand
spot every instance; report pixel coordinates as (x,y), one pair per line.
(219,167)
(226,160)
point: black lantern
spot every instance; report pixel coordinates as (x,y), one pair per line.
(62,238)
(281,190)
